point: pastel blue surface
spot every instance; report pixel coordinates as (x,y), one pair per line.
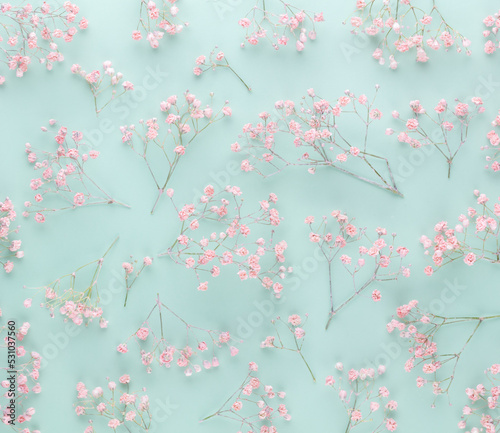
(336,61)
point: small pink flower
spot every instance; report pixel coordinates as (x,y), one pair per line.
(128,267)
(428,271)
(114,423)
(353,375)
(412,124)
(125,378)
(299,333)
(80,410)
(469,259)
(79,199)
(244,22)
(391,425)
(224,337)
(142,333)
(356,415)
(122,348)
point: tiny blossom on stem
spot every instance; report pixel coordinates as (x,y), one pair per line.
(27,372)
(483,403)
(419,329)
(102,88)
(494,140)
(201,344)
(163,150)
(130,276)
(9,248)
(130,409)
(156,20)
(447,131)
(400,28)
(295,325)
(216,59)
(379,259)
(237,246)
(363,402)
(64,177)
(251,405)
(78,302)
(474,238)
(22,27)
(492,23)
(280,24)
(323,135)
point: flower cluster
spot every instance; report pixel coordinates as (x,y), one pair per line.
(26,379)
(78,302)
(483,403)
(99,84)
(419,328)
(379,259)
(33,33)
(63,176)
(130,409)
(447,131)
(402,27)
(201,344)
(324,136)
(494,140)
(156,20)
(216,59)
(162,151)
(8,248)
(252,406)
(237,245)
(130,276)
(363,402)
(492,22)
(278,26)
(474,238)
(295,326)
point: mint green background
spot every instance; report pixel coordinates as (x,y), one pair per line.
(357,336)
